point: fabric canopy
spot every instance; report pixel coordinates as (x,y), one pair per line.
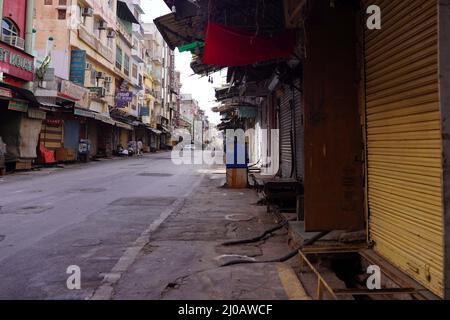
(228,47)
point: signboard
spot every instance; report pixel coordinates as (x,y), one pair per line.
(144,111)
(82,94)
(54,122)
(83,113)
(77,66)
(97,92)
(5,93)
(123,98)
(16,63)
(18,106)
(36,114)
(248,112)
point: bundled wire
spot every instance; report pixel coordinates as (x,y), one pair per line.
(282,259)
(258,238)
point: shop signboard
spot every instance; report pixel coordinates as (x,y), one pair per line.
(15,105)
(77,66)
(5,93)
(123,98)
(16,63)
(80,93)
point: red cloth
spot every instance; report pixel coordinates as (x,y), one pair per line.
(46,156)
(229,47)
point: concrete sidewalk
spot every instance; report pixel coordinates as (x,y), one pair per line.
(183,256)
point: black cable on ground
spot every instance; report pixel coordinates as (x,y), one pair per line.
(282,259)
(258,238)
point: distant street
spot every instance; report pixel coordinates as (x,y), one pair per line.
(84,215)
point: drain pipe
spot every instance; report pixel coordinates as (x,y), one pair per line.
(29,27)
(29,34)
(1,11)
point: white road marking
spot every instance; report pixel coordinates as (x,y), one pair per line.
(106,289)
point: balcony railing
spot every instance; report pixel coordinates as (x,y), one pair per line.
(13,41)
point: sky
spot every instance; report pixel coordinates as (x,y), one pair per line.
(199,87)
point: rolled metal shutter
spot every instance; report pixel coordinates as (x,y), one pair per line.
(286,134)
(403,140)
(52,134)
(71,134)
(299,131)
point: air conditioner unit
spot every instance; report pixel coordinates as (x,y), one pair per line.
(100,75)
(87,12)
(102,25)
(111,34)
(88,66)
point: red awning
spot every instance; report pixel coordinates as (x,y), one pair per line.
(228,47)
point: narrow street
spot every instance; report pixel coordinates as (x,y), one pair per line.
(138,228)
(319,138)
(85,215)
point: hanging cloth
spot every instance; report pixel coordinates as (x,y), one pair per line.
(229,47)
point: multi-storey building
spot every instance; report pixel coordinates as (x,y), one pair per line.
(188,111)
(129,61)
(154,45)
(76,76)
(20,118)
(87,59)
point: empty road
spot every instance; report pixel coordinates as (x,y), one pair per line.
(93,216)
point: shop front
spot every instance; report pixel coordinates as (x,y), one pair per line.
(19,127)
(20,124)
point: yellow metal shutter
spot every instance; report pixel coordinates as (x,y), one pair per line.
(403,140)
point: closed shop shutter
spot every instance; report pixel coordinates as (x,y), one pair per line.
(52,134)
(93,137)
(299,131)
(124,138)
(286,134)
(403,140)
(71,134)
(105,139)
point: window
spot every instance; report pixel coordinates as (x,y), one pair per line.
(9,28)
(62,14)
(126,65)
(48,2)
(135,73)
(95,29)
(93,77)
(108,86)
(119,58)
(109,42)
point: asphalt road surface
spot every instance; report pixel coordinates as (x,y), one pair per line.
(83,215)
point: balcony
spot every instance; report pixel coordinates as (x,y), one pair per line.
(157,94)
(138,31)
(136,54)
(157,57)
(95,43)
(124,33)
(13,41)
